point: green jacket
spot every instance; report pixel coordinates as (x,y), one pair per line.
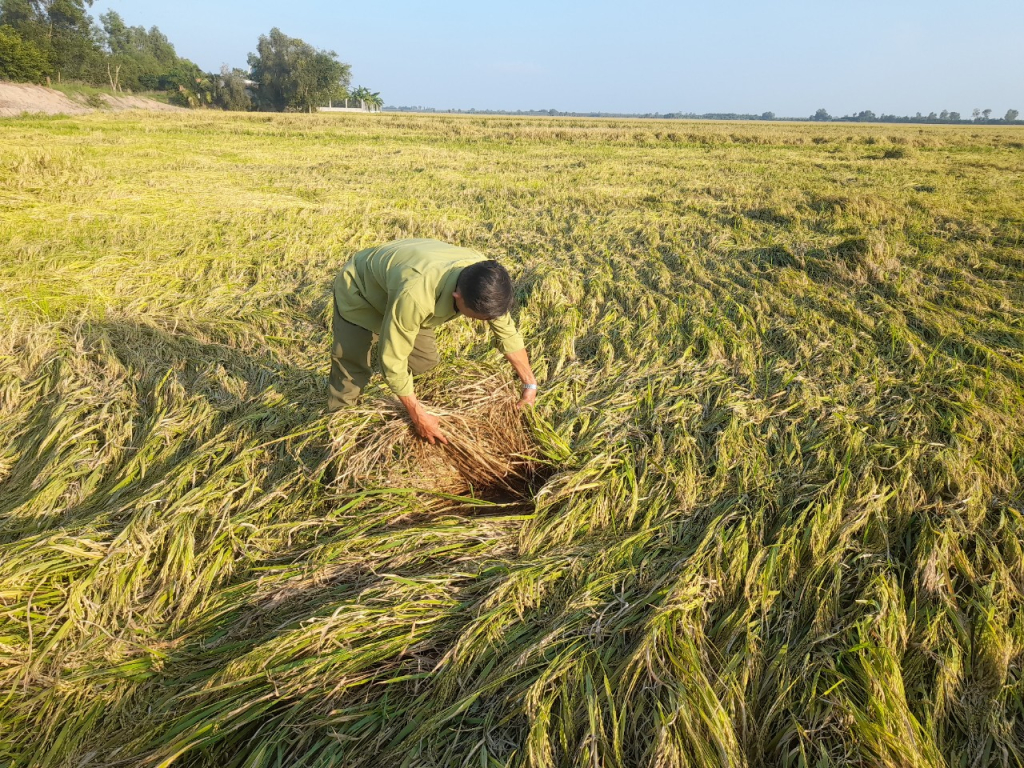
(398,288)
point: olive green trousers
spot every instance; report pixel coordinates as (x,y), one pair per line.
(351,365)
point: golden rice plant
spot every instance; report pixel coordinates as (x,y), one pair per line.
(768,509)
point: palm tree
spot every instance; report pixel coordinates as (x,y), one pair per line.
(374,102)
(360,94)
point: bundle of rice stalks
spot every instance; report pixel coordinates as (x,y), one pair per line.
(488,455)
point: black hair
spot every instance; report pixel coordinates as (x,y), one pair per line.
(486,288)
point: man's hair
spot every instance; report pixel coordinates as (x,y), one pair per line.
(486,288)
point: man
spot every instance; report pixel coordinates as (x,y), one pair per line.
(401,291)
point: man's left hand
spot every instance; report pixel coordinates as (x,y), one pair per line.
(521,363)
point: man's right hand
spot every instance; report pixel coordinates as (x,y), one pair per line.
(426,425)
(429,428)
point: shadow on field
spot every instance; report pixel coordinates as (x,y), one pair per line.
(150,444)
(124,405)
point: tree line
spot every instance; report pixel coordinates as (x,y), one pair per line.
(979,115)
(945,116)
(47,41)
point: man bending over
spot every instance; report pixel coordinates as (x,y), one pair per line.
(402,291)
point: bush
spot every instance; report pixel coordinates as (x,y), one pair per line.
(895,153)
(20,60)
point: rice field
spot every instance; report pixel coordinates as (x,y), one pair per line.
(768,510)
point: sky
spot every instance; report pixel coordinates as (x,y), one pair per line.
(789,57)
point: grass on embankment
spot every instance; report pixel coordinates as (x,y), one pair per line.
(100,97)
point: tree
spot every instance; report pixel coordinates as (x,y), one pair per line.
(293,75)
(976,114)
(367,99)
(374,102)
(20,60)
(74,50)
(139,59)
(118,35)
(1011,115)
(359,94)
(986,114)
(318,80)
(767,115)
(866,116)
(954,116)
(27,20)
(944,114)
(231,90)
(821,115)
(932,116)
(59,29)
(194,89)
(16,13)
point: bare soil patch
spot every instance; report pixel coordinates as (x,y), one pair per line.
(19,98)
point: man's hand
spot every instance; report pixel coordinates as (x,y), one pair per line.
(528,399)
(427,426)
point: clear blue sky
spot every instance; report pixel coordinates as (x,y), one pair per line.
(788,56)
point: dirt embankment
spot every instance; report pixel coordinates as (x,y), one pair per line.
(16,98)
